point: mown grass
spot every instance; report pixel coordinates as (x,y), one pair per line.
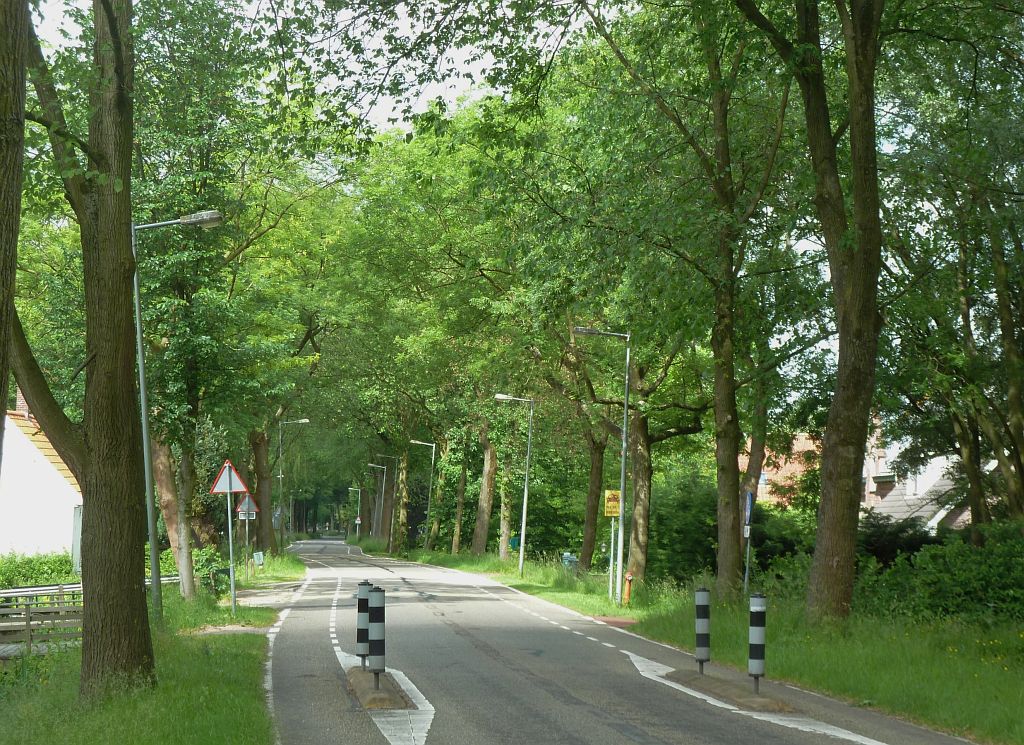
(283,567)
(961,678)
(209,689)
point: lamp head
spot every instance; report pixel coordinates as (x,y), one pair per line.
(206,219)
(503,397)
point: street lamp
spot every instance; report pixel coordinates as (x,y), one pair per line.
(208,219)
(359,506)
(379,507)
(280,472)
(584,331)
(526,476)
(430,486)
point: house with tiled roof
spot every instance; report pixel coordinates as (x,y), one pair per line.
(40,500)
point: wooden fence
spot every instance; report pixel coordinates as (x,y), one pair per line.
(33,616)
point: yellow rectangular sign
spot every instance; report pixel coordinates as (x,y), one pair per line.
(612,503)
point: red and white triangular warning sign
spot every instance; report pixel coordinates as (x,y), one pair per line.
(228,481)
(247,504)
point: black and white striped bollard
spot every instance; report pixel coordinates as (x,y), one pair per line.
(702,611)
(755,661)
(363,621)
(376,637)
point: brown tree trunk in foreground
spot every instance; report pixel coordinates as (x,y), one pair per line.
(14,20)
(596,446)
(486,501)
(854,258)
(643,472)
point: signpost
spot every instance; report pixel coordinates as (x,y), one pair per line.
(247,510)
(228,482)
(748,511)
(612,509)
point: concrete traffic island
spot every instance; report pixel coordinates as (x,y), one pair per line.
(389,696)
(732,692)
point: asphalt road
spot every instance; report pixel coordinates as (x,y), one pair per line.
(485,664)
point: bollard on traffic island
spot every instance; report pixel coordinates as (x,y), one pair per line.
(376,635)
(363,621)
(755,657)
(702,614)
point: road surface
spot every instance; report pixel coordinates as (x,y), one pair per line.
(484,664)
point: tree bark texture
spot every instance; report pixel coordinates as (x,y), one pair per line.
(116,642)
(401,539)
(597,443)
(643,473)
(504,515)
(968,441)
(486,501)
(854,263)
(259,443)
(166,489)
(186,490)
(438,498)
(14,20)
(387,519)
(460,501)
(727,430)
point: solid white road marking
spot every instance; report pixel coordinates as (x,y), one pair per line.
(656,671)
(405,727)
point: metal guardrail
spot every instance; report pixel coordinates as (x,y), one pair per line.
(18,592)
(42,615)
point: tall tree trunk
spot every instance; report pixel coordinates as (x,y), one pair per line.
(643,472)
(387,518)
(755,461)
(14,20)
(727,428)
(504,514)
(366,501)
(437,497)
(166,490)
(486,500)
(116,642)
(186,490)
(259,442)
(401,536)
(854,265)
(597,443)
(460,500)
(968,441)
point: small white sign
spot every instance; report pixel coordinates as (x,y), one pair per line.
(359,521)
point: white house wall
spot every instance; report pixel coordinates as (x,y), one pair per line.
(37,504)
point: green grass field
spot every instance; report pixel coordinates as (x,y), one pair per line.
(962,679)
(210,688)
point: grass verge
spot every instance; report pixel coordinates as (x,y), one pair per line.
(283,567)
(210,688)
(960,678)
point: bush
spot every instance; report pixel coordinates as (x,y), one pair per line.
(211,570)
(886,538)
(954,579)
(42,569)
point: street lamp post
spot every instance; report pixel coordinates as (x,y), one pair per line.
(359,506)
(379,507)
(625,433)
(208,219)
(430,486)
(280,472)
(526,476)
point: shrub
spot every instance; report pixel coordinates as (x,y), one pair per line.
(953,579)
(42,569)
(885,538)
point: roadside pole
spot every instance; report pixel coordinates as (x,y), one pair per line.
(228,482)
